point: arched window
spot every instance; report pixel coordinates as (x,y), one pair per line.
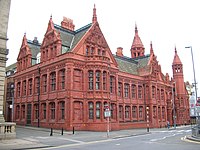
(120,111)
(127,112)
(30,84)
(98,73)
(112,84)
(17,112)
(44,83)
(36,111)
(44,110)
(141,112)
(98,110)
(53,81)
(126,90)
(62,79)
(104,80)
(91,110)
(90,79)
(23,111)
(140,92)
(52,110)
(62,110)
(134,112)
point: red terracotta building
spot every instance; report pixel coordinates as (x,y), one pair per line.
(72,77)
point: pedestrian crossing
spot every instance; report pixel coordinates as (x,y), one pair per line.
(172,131)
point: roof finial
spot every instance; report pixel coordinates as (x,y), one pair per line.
(151,48)
(175,49)
(136,30)
(94,18)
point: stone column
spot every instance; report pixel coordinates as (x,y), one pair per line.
(4,15)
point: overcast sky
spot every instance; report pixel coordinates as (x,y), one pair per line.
(167,23)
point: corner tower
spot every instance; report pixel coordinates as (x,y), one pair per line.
(137,48)
(178,77)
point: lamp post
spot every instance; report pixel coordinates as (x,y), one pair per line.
(39,98)
(173,102)
(195,83)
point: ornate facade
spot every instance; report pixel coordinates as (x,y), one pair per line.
(71,78)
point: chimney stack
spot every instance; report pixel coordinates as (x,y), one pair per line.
(119,51)
(67,24)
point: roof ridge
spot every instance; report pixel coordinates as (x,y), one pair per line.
(126,58)
(82,28)
(63,29)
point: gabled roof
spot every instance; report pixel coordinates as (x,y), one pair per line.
(131,65)
(71,38)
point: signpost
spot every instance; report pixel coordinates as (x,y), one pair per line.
(107,114)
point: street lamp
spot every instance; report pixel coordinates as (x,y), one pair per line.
(195,83)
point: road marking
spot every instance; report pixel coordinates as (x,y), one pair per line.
(187,140)
(86,143)
(162,138)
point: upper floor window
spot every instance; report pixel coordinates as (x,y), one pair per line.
(30,84)
(120,89)
(62,79)
(104,80)
(153,91)
(92,51)
(44,83)
(90,78)
(24,88)
(98,80)
(87,50)
(37,85)
(112,88)
(158,94)
(162,94)
(18,89)
(126,90)
(53,81)
(133,90)
(139,91)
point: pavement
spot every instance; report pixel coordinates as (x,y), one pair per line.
(33,137)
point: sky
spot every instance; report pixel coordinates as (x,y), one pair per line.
(167,23)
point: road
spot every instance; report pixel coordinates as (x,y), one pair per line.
(158,139)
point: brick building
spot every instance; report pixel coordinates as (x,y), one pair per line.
(72,77)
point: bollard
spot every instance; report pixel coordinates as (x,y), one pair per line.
(62,131)
(51,133)
(73,130)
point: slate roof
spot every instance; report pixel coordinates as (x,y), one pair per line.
(131,65)
(11,67)
(34,47)
(71,38)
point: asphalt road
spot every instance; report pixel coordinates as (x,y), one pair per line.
(158,139)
